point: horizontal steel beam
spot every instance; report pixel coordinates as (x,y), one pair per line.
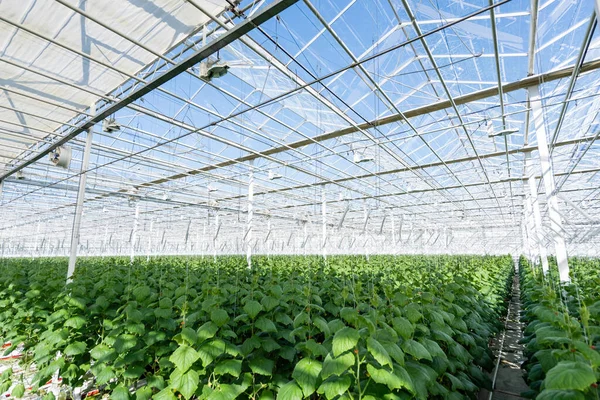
(441,105)
(232,35)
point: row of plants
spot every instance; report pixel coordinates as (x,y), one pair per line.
(289,328)
(562,335)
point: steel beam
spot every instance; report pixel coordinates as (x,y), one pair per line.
(75,233)
(557,231)
(233,34)
(250,224)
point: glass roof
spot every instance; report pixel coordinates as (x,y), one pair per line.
(365,126)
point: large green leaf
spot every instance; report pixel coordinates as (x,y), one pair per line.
(125,342)
(378,352)
(390,379)
(103,353)
(306,372)
(207,331)
(290,391)
(344,340)
(403,326)
(184,357)
(335,386)
(265,325)
(106,374)
(120,393)
(75,322)
(553,394)
(261,366)
(187,383)
(337,365)
(252,308)
(570,375)
(231,367)
(219,317)
(143,393)
(591,354)
(165,394)
(18,391)
(416,349)
(75,348)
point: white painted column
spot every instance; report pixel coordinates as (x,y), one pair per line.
(532,207)
(75,232)
(394,232)
(324,225)
(549,184)
(134,234)
(250,223)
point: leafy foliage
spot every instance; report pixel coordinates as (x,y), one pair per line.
(562,336)
(292,327)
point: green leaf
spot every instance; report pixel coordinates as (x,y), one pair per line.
(18,391)
(141,293)
(289,391)
(75,348)
(553,394)
(103,353)
(262,366)
(189,335)
(570,375)
(592,355)
(125,342)
(344,340)
(335,386)
(184,357)
(231,367)
(265,325)
(75,322)
(306,372)
(143,393)
(49,396)
(207,331)
(416,349)
(395,352)
(378,352)
(219,317)
(252,308)
(105,375)
(133,372)
(120,393)
(165,394)
(403,327)
(390,379)
(338,365)
(165,303)
(187,384)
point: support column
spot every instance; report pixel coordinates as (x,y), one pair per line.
(324,225)
(136,218)
(75,233)
(250,223)
(531,203)
(394,232)
(549,184)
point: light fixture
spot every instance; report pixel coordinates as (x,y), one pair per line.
(274,175)
(504,132)
(110,125)
(360,155)
(212,69)
(61,156)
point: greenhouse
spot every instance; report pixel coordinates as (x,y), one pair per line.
(300,199)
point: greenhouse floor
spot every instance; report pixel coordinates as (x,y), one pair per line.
(510,381)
